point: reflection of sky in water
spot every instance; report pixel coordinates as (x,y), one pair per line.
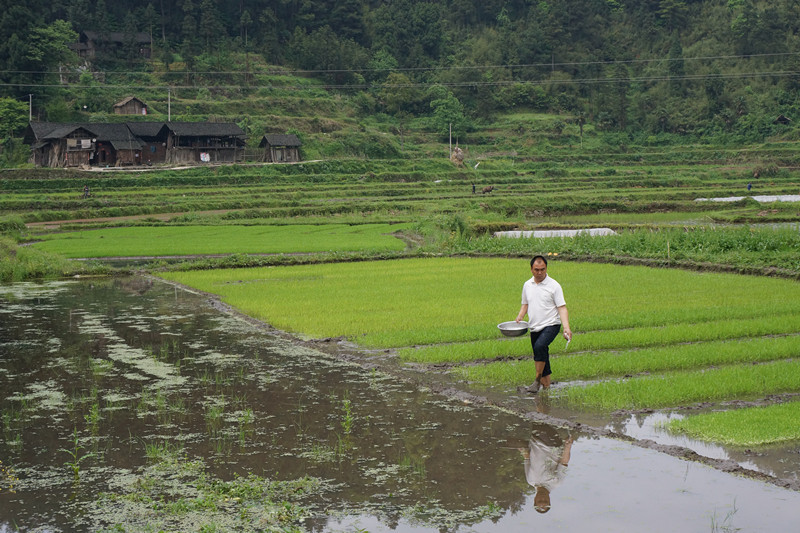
(612,486)
(652,427)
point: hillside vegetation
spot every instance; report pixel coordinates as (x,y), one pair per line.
(387,80)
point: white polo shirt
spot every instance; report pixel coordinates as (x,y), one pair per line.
(543,299)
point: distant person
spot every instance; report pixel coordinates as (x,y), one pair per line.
(543,302)
(473,188)
(546,461)
(749,186)
(86,191)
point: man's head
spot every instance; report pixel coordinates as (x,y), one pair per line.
(541,501)
(539,268)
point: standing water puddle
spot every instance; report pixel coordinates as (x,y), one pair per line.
(97,376)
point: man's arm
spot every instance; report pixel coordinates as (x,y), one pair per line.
(522,312)
(566,453)
(564,316)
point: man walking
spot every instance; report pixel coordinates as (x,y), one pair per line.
(543,302)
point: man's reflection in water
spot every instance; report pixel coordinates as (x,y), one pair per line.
(546,460)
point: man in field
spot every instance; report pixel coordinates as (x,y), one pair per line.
(543,302)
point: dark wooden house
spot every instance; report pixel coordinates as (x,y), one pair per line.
(205,142)
(130,106)
(60,145)
(133,143)
(91,42)
(154,136)
(280,148)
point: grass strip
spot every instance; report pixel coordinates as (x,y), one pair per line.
(193,240)
(686,388)
(753,426)
(606,340)
(598,365)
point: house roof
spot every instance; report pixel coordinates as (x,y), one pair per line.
(110,132)
(129,99)
(123,134)
(280,140)
(205,129)
(133,143)
(146,129)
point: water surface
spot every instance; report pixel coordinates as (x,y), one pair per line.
(114,366)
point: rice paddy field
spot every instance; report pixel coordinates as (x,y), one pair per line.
(200,240)
(645,338)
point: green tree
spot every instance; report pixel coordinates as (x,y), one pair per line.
(400,95)
(448,114)
(210,28)
(673,13)
(13,117)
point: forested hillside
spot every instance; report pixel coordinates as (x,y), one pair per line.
(693,69)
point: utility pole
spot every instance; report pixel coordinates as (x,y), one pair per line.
(169,105)
(30,108)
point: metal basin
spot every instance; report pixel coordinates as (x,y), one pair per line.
(513,328)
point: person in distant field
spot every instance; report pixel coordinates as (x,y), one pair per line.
(86,191)
(543,302)
(749,186)
(473,188)
(546,461)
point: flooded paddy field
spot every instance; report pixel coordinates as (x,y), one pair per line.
(101,379)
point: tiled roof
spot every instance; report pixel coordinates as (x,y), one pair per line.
(281,140)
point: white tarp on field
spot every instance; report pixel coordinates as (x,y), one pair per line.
(556,233)
(766,199)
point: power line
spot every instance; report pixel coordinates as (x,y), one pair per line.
(577,81)
(548,65)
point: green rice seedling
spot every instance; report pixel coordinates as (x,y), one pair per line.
(100,367)
(447,300)
(77,457)
(753,426)
(416,465)
(726,525)
(193,240)
(93,417)
(607,339)
(347,414)
(605,364)
(319,453)
(213,414)
(163,452)
(245,419)
(684,388)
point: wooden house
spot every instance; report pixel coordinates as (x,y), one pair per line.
(280,148)
(133,143)
(130,106)
(60,145)
(154,136)
(205,142)
(91,42)
(116,145)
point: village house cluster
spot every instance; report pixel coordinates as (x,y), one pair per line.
(93,144)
